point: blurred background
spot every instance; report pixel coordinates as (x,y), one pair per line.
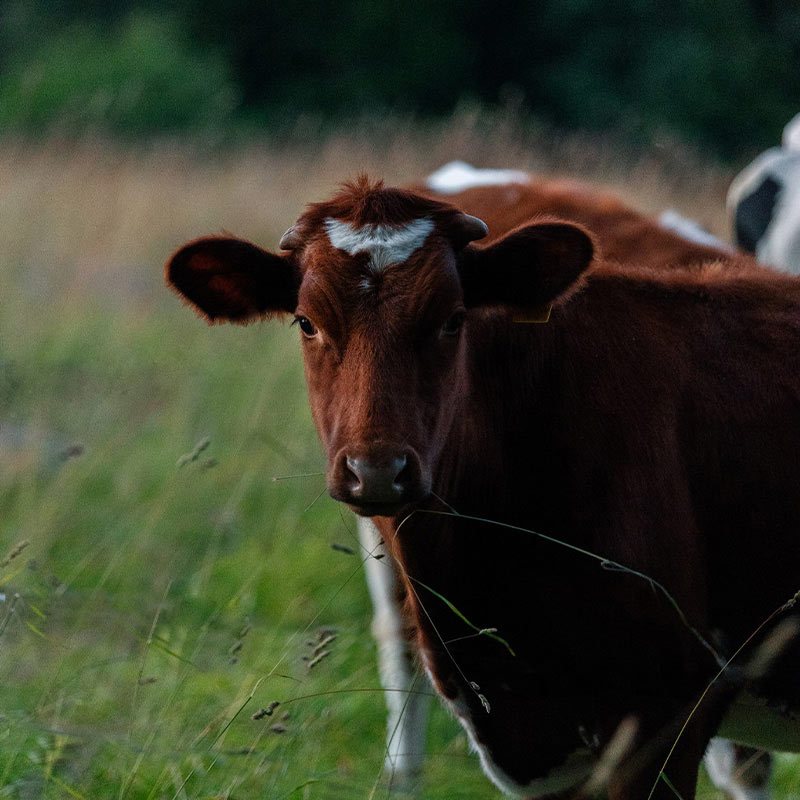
(724,76)
(169,560)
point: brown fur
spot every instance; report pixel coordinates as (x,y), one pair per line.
(654,420)
(625,235)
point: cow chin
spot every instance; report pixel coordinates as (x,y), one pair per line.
(364,507)
(384,509)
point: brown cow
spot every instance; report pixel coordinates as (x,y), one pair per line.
(505,199)
(611,498)
(625,235)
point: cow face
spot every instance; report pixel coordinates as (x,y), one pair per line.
(381,284)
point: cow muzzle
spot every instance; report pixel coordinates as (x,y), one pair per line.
(378,480)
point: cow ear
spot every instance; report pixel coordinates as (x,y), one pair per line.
(528,268)
(230,280)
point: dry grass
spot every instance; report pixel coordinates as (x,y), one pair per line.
(91,208)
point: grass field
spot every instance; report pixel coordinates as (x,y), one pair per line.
(162,574)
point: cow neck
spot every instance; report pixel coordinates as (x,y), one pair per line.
(491,426)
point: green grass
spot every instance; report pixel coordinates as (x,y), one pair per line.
(159,606)
(126,669)
(156,607)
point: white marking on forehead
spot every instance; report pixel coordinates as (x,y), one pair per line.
(458,175)
(386,244)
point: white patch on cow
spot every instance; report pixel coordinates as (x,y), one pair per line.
(574,770)
(779,245)
(688,229)
(791,134)
(458,175)
(720,762)
(386,244)
(407,698)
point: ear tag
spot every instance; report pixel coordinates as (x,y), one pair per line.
(540,319)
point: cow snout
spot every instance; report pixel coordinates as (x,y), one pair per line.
(377,481)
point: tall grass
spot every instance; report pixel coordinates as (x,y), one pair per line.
(162,600)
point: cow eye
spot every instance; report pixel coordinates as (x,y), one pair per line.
(306,325)
(453,324)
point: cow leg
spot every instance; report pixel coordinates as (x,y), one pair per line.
(679,781)
(741,772)
(678,749)
(407,690)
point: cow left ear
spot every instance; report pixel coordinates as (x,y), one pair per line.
(526,269)
(231,280)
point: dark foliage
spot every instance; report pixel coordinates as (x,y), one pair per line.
(725,75)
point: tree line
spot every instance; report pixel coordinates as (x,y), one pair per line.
(724,75)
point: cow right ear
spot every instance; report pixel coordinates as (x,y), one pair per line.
(230,280)
(528,269)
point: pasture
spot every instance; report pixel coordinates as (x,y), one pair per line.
(170,564)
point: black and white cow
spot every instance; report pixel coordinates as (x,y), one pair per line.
(764,204)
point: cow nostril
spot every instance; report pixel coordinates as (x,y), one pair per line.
(404,474)
(352,466)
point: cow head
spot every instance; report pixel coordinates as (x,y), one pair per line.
(381,283)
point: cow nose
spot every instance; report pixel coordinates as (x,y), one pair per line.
(378,478)
(382,480)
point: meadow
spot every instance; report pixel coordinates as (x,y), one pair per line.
(169,560)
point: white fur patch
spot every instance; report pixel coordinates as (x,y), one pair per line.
(407,700)
(458,175)
(791,134)
(720,761)
(386,244)
(779,244)
(575,769)
(688,229)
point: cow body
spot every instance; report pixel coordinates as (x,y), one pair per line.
(625,236)
(631,481)
(507,198)
(563,480)
(589,515)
